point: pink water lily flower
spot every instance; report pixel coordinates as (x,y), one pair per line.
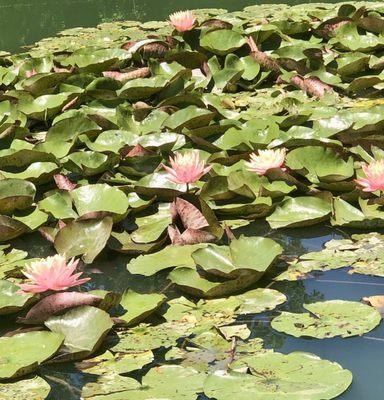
(266,160)
(30,73)
(186,168)
(51,273)
(374,172)
(182,21)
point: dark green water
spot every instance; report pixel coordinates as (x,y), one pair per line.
(23,22)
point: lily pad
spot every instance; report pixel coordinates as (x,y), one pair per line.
(299,211)
(170,256)
(10,300)
(260,300)
(139,306)
(252,255)
(87,238)
(223,41)
(15,194)
(22,353)
(292,376)
(84,329)
(159,383)
(99,197)
(34,389)
(329,319)
(107,363)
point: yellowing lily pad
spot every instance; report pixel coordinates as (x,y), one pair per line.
(329,319)
(278,376)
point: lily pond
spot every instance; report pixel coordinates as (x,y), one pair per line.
(191,208)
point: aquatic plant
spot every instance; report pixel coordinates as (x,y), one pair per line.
(52,273)
(265,160)
(186,168)
(183,21)
(374,180)
(271,114)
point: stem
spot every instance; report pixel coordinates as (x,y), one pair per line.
(233,350)
(187,188)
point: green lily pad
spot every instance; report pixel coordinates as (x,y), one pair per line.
(221,42)
(37,173)
(10,228)
(170,256)
(151,227)
(84,329)
(165,381)
(121,363)
(87,238)
(10,300)
(11,260)
(45,106)
(139,306)
(88,162)
(34,389)
(99,197)
(159,383)
(145,337)
(123,243)
(22,353)
(329,319)
(209,351)
(15,194)
(299,211)
(252,255)
(59,205)
(190,281)
(260,300)
(320,164)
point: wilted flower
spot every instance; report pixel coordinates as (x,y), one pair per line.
(182,21)
(186,168)
(51,273)
(266,160)
(374,172)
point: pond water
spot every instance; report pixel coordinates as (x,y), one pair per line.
(361,355)
(26,21)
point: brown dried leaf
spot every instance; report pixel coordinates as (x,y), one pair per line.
(190,216)
(377,302)
(63,182)
(195,236)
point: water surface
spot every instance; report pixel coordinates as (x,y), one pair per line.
(24,22)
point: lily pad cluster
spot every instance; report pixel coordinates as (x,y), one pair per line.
(88,121)
(201,340)
(363,253)
(103,119)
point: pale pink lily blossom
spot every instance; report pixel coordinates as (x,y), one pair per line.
(31,73)
(374,172)
(51,273)
(265,160)
(186,168)
(183,21)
